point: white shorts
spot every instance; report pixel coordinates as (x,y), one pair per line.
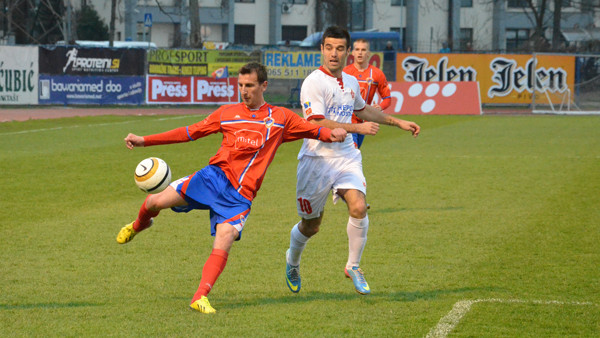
(317,176)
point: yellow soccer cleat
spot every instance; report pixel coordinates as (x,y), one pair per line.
(126,234)
(202,305)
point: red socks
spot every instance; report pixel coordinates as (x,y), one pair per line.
(143,220)
(212,269)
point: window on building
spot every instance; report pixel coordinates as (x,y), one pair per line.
(250,1)
(517,4)
(290,33)
(466,3)
(466,39)
(566,3)
(301,2)
(243,34)
(402,32)
(398,3)
(357,17)
(515,38)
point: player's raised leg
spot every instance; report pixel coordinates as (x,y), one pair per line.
(152,205)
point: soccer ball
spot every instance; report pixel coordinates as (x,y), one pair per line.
(152,175)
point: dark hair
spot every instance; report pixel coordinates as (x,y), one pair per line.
(337,33)
(255,67)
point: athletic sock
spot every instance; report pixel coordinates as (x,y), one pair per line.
(357,239)
(143,220)
(210,272)
(297,244)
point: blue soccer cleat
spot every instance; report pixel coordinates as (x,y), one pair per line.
(292,276)
(358,278)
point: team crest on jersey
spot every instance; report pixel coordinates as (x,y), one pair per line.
(269,122)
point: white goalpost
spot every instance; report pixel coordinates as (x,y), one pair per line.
(573,91)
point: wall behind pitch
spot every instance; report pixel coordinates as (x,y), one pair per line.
(18,75)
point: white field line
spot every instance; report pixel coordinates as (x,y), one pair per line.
(88,125)
(461,308)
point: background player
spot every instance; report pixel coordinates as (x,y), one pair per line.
(370,79)
(252,132)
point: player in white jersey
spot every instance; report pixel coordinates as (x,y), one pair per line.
(329,97)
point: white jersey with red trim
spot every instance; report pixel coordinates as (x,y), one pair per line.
(324,96)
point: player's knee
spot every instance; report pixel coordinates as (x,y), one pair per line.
(310,227)
(358,210)
(153,203)
(227,232)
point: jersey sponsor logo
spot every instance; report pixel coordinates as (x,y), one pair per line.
(342,110)
(246,139)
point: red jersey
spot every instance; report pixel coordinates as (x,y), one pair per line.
(250,140)
(371,80)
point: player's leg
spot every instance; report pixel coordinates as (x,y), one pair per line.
(312,189)
(357,228)
(228,213)
(152,205)
(215,264)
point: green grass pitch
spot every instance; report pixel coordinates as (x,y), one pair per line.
(482,226)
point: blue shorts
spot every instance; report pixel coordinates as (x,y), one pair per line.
(358,139)
(209,189)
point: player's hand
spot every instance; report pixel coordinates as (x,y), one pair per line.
(368,128)
(133,140)
(338,135)
(410,126)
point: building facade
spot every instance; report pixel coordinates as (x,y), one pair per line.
(426,26)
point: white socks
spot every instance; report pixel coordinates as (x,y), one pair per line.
(297,244)
(357,239)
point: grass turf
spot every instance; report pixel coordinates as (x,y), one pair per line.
(477,207)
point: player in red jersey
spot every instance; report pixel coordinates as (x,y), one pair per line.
(370,79)
(252,132)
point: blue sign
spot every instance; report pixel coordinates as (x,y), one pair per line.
(148,20)
(68,89)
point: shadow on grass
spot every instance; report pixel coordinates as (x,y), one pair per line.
(38,306)
(400,296)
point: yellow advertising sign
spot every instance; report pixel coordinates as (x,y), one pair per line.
(503,78)
(197,62)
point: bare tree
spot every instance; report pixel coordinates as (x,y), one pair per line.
(195,34)
(331,12)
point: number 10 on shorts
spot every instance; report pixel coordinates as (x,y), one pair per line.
(305,205)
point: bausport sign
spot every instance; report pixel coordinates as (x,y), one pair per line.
(191,90)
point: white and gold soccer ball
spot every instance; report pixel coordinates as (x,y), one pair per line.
(152,175)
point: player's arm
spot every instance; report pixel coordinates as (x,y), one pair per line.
(373,114)
(172,136)
(297,128)
(209,125)
(384,92)
(365,128)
